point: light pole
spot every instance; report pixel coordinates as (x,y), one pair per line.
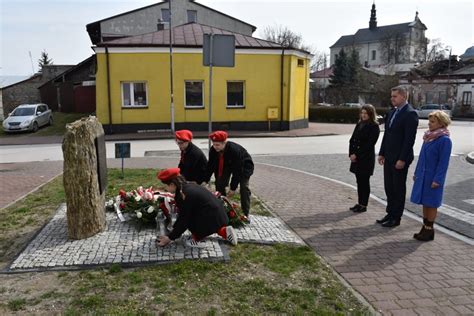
(448,88)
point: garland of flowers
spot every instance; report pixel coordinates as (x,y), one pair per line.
(147,206)
(233,210)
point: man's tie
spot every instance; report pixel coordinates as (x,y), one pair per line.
(393,117)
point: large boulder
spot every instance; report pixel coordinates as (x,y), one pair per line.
(83,148)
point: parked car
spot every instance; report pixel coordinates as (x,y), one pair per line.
(424,110)
(352,105)
(28,117)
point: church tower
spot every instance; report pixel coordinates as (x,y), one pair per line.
(373,18)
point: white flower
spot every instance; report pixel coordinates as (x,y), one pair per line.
(150,209)
(148,195)
(138,198)
(139,214)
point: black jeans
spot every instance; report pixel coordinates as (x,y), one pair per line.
(363,188)
(223,182)
(395,183)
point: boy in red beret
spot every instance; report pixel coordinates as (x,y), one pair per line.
(228,159)
(193,162)
(199,211)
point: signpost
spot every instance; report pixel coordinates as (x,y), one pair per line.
(122,150)
(218,51)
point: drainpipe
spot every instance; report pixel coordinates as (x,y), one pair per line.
(281,88)
(109,103)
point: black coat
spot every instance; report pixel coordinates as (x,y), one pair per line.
(200,211)
(362,144)
(237,162)
(398,140)
(194,164)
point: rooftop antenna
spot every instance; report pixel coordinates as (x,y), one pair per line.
(31,59)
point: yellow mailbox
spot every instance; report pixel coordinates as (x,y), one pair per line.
(272,113)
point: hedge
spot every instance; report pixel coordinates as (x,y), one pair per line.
(339,114)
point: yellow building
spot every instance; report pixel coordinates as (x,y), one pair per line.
(268,83)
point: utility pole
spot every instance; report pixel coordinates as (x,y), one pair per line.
(171,71)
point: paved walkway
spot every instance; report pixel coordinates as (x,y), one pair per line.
(395,273)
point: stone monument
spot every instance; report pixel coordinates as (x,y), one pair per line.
(85,177)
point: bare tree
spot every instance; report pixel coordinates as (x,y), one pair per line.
(283,35)
(287,38)
(437,50)
(393,48)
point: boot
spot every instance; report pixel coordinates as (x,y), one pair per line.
(422,228)
(427,232)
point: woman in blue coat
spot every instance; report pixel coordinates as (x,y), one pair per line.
(430,172)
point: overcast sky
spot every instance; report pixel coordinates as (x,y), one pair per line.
(59,26)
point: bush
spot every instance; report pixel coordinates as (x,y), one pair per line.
(339,114)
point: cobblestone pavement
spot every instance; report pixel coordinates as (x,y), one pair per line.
(124,243)
(18,179)
(457,212)
(395,273)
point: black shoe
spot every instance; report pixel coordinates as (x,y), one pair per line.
(425,234)
(355,207)
(384,219)
(391,223)
(361,209)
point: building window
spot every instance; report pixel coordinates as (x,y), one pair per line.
(374,54)
(165,15)
(466,98)
(300,62)
(192,16)
(193,95)
(235,94)
(134,94)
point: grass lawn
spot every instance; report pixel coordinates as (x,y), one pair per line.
(57,129)
(278,279)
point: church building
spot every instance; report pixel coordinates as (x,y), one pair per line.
(389,48)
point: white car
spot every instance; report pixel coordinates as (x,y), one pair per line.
(426,109)
(28,117)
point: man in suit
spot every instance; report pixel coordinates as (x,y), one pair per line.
(396,154)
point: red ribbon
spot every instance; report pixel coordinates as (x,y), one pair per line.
(221,165)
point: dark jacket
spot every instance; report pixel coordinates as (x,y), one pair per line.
(194,164)
(200,211)
(237,162)
(398,140)
(362,144)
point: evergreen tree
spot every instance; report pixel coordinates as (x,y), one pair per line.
(341,71)
(354,66)
(44,60)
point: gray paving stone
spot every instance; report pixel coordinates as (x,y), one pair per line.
(123,242)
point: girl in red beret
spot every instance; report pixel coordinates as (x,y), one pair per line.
(229,161)
(193,162)
(199,211)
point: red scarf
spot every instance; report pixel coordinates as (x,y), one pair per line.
(221,164)
(430,136)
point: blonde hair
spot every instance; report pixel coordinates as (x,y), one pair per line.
(441,117)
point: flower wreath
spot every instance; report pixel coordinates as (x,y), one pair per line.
(233,210)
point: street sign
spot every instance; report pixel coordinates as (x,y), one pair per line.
(122,150)
(223,50)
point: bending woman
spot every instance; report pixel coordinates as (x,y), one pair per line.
(199,211)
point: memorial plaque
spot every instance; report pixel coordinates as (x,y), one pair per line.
(101,161)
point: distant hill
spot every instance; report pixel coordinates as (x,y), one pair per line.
(8,80)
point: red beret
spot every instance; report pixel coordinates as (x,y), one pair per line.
(218,136)
(184,135)
(168,174)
